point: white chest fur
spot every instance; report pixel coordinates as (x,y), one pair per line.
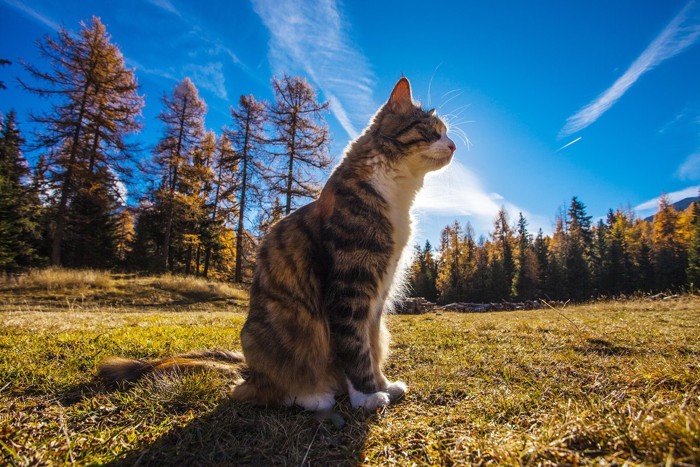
(399,189)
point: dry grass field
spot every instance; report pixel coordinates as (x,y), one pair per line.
(606,383)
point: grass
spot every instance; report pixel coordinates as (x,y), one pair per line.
(605,383)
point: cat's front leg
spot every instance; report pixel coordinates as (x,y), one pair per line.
(353,356)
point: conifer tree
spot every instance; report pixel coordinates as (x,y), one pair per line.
(222,206)
(502,264)
(577,251)
(693,269)
(670,263)
(96,106)
(247,137)
(527,276)
(19,204)
(301,136)
(183,132)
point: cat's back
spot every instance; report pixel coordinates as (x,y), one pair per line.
(291,262)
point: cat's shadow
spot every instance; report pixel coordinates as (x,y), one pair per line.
(237,434)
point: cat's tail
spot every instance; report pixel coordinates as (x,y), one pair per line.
(117,370)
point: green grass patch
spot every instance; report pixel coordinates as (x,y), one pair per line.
(606,383)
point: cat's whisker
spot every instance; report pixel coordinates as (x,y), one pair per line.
(450,92)
(430,83)
(454,96)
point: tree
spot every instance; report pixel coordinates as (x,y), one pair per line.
(527,276)
(693,269)
(670,263)
(183,132)
(502,258)
(19,204)
(97,106)
(302,136)
(577,251)
(247,138)
(222,208)
(4,61)
(422,272)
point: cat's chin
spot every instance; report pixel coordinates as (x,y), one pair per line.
(436,163)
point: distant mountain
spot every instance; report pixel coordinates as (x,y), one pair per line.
(681,205)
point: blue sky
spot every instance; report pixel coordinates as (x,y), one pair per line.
(596,99)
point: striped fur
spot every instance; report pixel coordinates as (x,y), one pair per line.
(326,273)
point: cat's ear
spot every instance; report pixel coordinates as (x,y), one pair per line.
(401,100)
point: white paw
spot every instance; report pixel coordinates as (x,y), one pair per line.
(370,402)
(312,402)
(396,390)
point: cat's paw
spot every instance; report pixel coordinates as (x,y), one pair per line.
(369,402)
(312,402)
(396,390)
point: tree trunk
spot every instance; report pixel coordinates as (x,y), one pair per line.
(238,276)
(66,188)
(171,201)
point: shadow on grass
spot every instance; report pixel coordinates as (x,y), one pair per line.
(604,348)
(238,434)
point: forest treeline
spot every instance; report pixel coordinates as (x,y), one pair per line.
(207,197)
(620,255)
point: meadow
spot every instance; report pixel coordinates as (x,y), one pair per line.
(602,383)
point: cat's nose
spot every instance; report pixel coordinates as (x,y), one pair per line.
(451,145)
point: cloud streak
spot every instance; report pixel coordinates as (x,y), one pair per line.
(682,32)
(653,204)
(310,37)
(32,13)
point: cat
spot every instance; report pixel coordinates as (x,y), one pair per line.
(325,275)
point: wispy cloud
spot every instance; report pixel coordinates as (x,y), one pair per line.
(311,37)
(457,191)
(166,5)
(651,205)
(690,168)
(682,32)
(209,76)
(32,13)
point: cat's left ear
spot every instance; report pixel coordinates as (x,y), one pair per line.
(401,100)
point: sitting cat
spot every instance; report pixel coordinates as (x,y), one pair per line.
(325,273)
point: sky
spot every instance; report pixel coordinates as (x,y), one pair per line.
(545,100)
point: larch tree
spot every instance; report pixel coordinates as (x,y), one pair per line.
(301,137)
(222,208)
(183,132)
(248,139)
(668,255)
(96,105)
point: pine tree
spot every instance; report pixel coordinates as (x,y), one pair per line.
(19,204)
(301,134)
(85,130)
(502,258)
(247,137)
(527,276)
(577,251)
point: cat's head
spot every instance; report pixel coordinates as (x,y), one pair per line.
(409,135)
